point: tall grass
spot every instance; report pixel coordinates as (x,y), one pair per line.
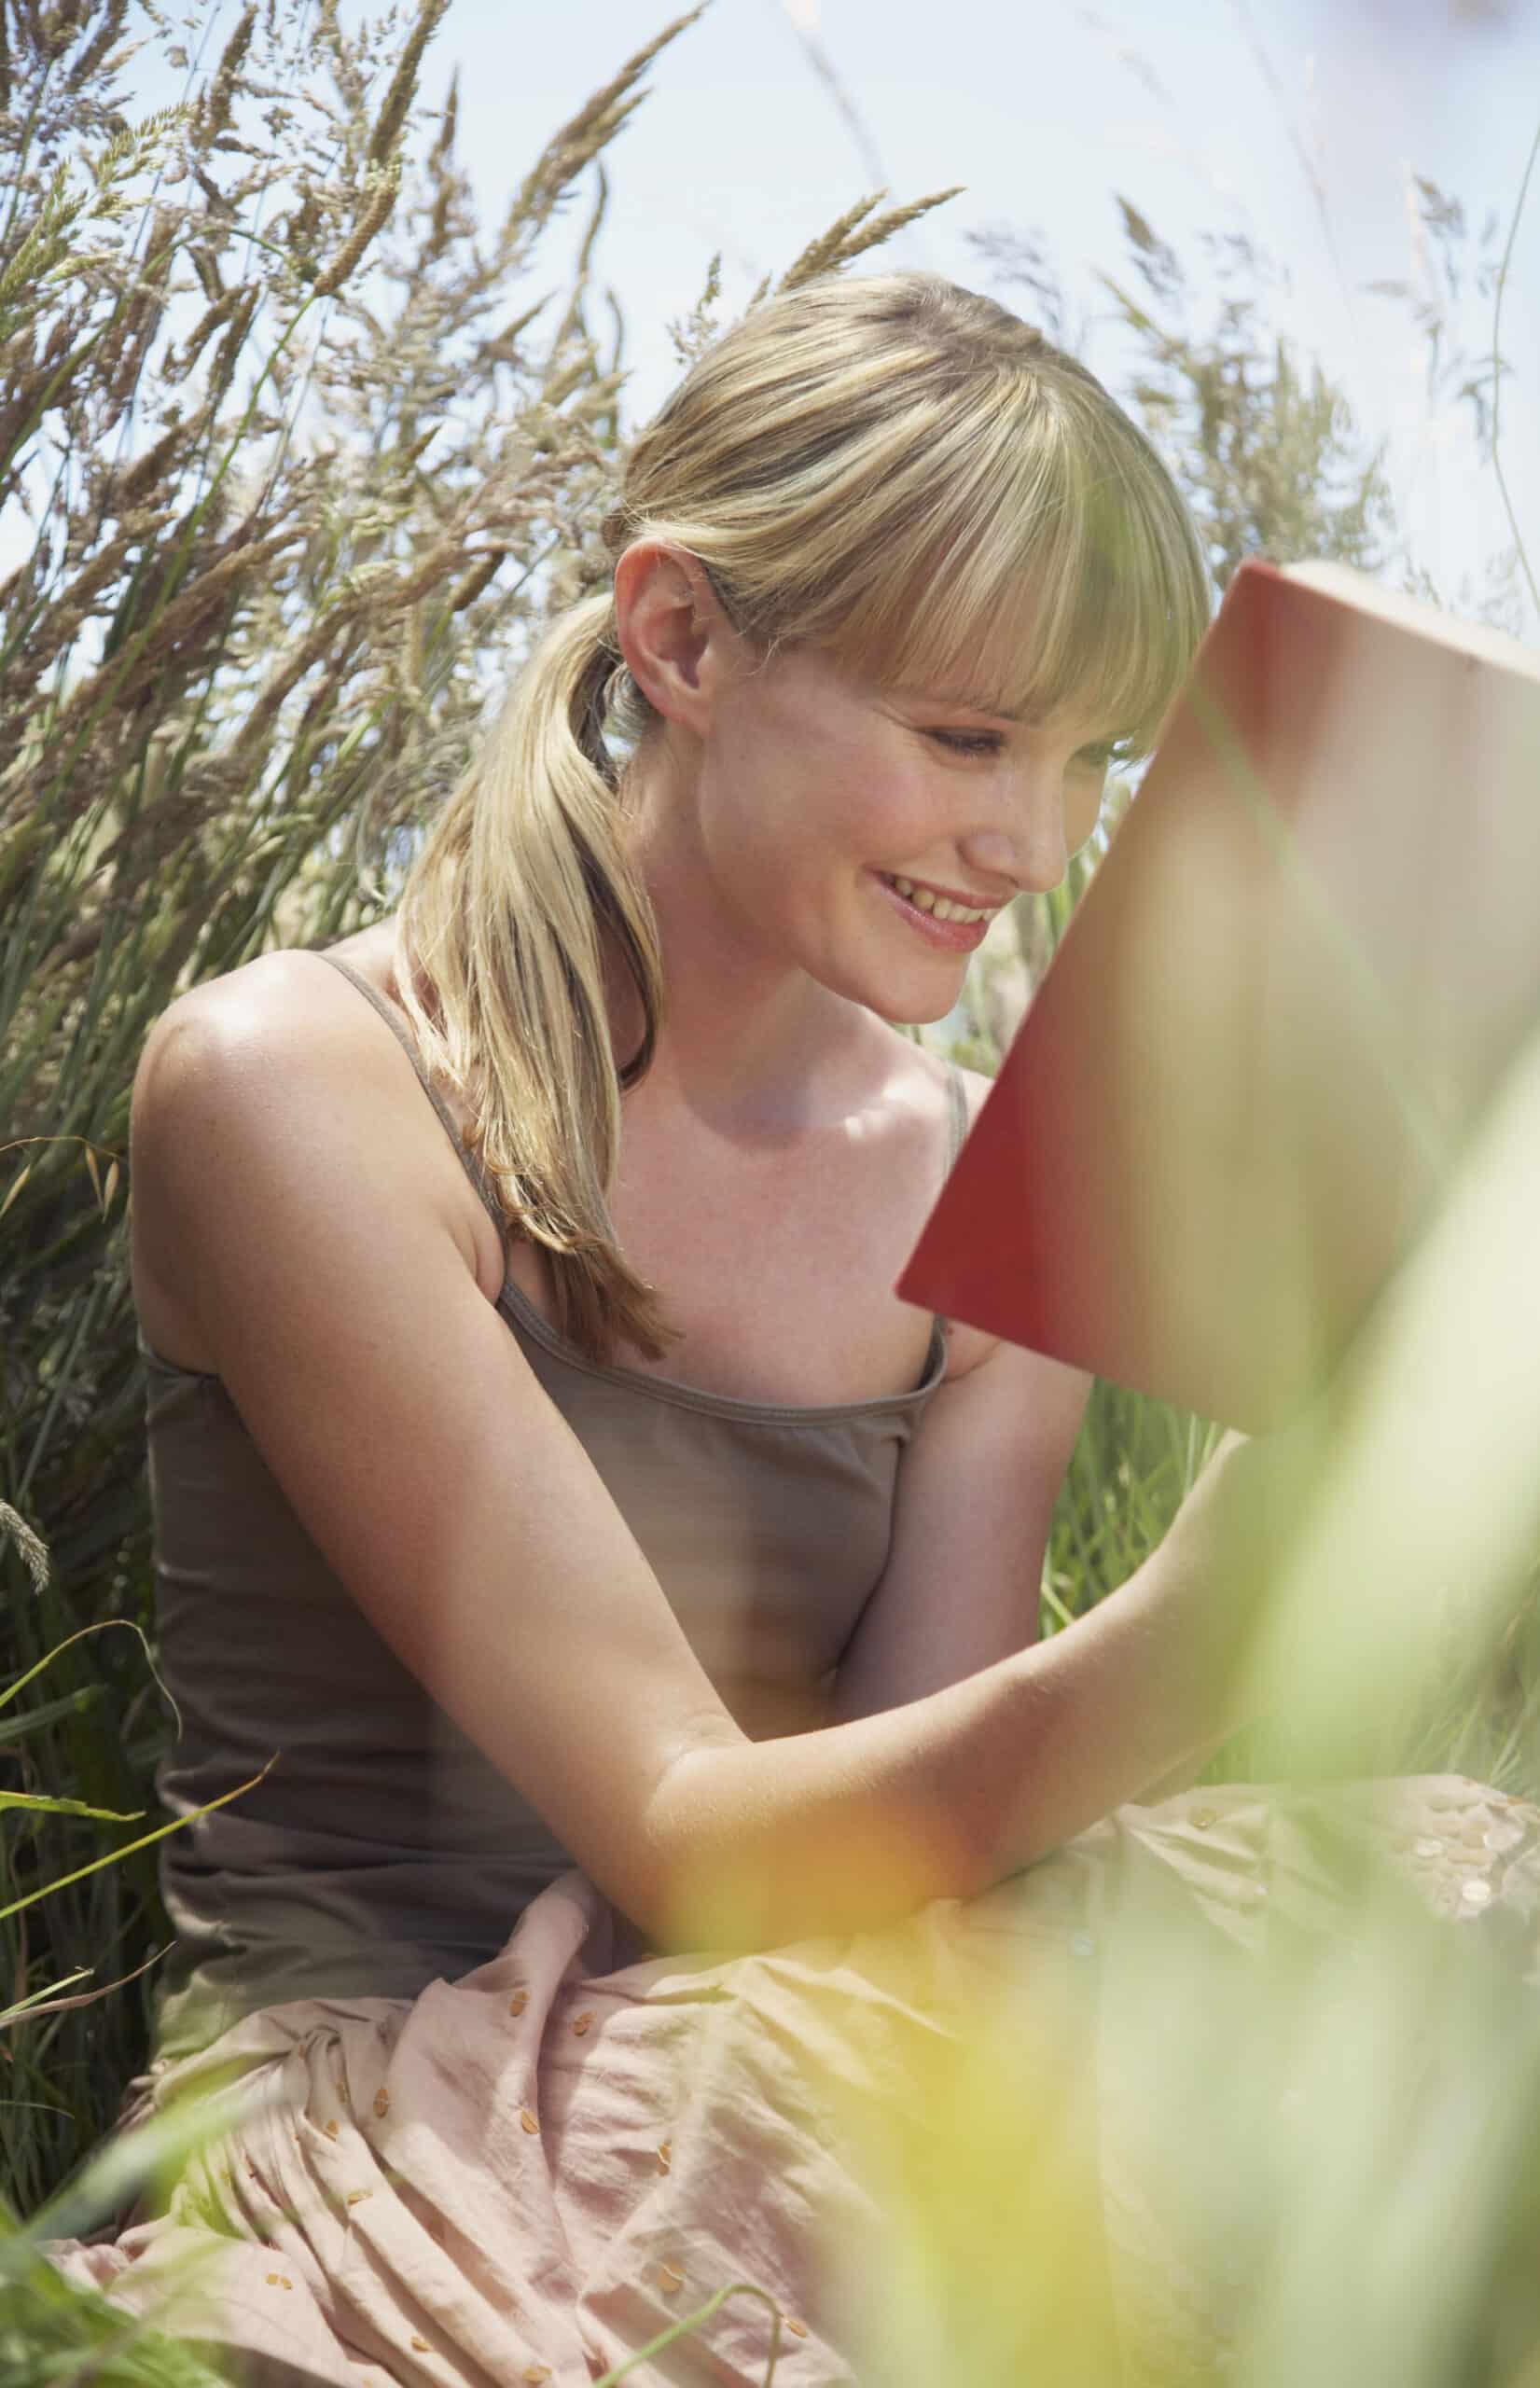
(245,634)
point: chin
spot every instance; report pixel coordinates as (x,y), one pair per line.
(926,997)
(918,1015)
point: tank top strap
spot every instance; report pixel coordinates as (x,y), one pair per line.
(399,1028)
(957,1099)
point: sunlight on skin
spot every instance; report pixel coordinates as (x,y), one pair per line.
(721,1907)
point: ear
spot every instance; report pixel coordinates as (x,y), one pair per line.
(678,644)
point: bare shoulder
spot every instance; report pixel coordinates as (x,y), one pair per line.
(277,1071)
(921,1080)
(263,1004)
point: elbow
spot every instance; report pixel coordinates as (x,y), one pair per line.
(697,1884)
(744,1856)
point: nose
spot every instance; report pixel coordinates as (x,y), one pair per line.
(1025,842)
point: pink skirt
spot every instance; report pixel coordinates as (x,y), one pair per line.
(942,2151)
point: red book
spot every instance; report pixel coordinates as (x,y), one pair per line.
(1310,952)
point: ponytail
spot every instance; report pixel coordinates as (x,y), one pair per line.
(506,912)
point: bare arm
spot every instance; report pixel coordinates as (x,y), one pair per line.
(854,1825)
(976,1496)
(419,1450)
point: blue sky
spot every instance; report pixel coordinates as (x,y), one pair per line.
(1197,111)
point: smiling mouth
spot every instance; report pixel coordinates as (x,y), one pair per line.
(941,907)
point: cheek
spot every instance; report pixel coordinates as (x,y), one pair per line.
(895,813)
(795,788)
(801,780)
(866,789)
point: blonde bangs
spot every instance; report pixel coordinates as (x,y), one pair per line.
(1032,577)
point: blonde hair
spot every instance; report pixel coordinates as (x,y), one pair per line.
(889,468)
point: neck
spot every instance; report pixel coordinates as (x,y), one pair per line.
(752,1046)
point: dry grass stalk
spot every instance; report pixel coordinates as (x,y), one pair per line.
(859,230)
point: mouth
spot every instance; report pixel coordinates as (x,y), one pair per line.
(946,920)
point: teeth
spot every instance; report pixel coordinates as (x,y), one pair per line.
(925,900)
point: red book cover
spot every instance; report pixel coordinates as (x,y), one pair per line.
(1305,961)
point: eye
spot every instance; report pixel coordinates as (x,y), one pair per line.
(968,741)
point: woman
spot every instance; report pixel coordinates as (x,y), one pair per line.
(583,1498)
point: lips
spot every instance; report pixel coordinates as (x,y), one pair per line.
(951,935)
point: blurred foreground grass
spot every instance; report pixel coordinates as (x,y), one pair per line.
(1295,2142)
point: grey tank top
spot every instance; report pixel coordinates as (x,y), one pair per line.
(382,1850)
